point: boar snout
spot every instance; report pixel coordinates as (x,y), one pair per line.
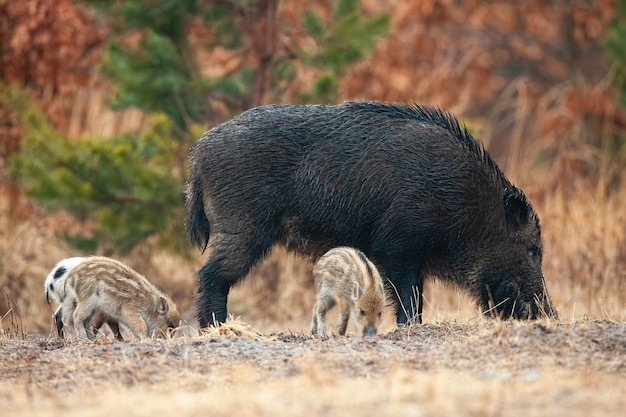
(509,301)
(369,330)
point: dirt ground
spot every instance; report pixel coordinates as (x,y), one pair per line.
(478,367)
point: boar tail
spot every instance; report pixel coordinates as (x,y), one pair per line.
(196,222)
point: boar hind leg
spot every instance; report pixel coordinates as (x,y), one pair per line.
(58,320)
(65,314)
(231,258)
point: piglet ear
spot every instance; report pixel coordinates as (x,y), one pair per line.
(516,208)
(163,306)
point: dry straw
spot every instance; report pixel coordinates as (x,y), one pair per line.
(233,327)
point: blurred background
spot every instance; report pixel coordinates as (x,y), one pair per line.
(100,101)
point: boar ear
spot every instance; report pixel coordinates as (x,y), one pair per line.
(163,306)
(516,208)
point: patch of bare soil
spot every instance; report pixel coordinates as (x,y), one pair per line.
(482,367)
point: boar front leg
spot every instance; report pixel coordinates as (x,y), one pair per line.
(133,321)
(99,319)
(65,313)
(115,328)
(406,288)
(323,305)
(82,320)
(345,309)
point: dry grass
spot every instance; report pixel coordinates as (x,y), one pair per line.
(233,327)
(477,367)
(402,392)
(585,263)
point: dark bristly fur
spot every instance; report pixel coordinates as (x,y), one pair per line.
(406,184)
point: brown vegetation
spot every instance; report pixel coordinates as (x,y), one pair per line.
(531,80)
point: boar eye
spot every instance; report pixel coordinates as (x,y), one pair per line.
(361,312)
(380,314)
(533,252)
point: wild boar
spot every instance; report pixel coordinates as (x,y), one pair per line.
(404,183)
(344,277)
(104,290)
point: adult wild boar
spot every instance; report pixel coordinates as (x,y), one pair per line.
(406,184)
